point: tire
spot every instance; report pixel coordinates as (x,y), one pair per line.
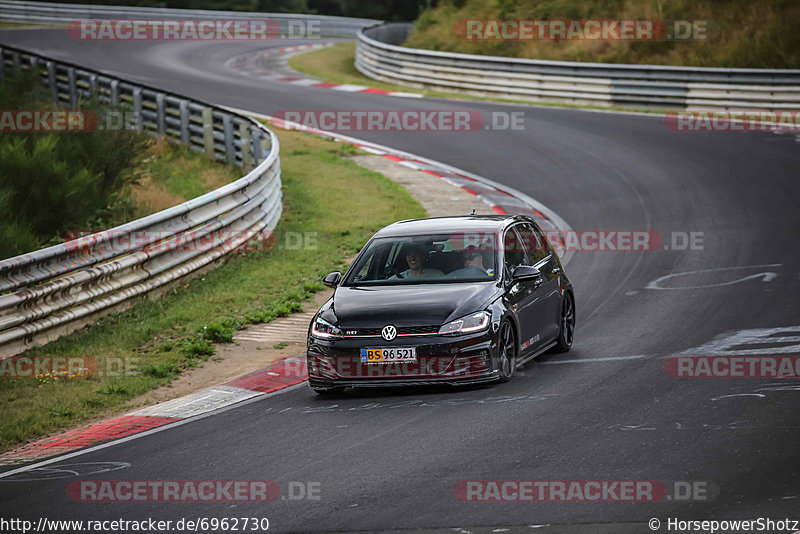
(566,328)
(507,349)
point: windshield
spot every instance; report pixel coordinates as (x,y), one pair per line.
(456,257)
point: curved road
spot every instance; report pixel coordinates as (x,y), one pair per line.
(607,410)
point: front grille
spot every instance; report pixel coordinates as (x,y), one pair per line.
(418,330)
(403,330)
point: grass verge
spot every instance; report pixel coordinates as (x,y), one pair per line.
(169,174)
(332,203)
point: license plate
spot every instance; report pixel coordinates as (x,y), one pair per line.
(385,355)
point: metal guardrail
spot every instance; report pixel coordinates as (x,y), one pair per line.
(48,292)
(53,13)
(379,56)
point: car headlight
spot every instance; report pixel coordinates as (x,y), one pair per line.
(467,325)
(324,329)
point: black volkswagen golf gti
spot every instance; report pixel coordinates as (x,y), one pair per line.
(448,300)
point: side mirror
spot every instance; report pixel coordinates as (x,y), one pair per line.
(332,279)
(526,273)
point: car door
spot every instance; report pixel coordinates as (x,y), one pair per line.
(522,298)
(549,292)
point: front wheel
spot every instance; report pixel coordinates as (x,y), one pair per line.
(507,347)
(566,331)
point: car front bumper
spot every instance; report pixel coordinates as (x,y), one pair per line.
(440,360)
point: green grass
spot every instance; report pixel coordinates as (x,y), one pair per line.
(4,25)
(169,174)
(336,201)
(335,64)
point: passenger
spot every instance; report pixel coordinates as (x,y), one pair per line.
(473,266)
(416,257)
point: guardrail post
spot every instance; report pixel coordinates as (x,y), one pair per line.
(72,87)
(244,137)
(137,108)
(92,83)
(35,65)
(2,63)
(114,93)
(230,149)
(257,152)
(265,144)
(183,106)
(161,122)
(208,131)
(51,80)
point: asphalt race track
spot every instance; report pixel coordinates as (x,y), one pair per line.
(605,411)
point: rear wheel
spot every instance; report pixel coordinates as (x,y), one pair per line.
(566,331)
(507,348)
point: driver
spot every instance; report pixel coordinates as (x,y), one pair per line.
(416,257)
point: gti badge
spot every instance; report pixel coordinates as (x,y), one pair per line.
(389,332)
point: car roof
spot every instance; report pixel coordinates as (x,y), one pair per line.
(444,225)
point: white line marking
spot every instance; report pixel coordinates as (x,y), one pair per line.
(372,150)
(735,344)
(766,277)
(759,395)
(596,360)
(349,88)
(413,165)
(147,432)
(197,403)
(405,95)
(304,81)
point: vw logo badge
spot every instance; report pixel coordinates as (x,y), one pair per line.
(389,332)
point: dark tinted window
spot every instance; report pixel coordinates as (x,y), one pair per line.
(457,257)
(534,241)
(514,251)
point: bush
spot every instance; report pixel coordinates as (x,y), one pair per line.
(51,184)
(217,333)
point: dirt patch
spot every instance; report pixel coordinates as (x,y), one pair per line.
(231,361)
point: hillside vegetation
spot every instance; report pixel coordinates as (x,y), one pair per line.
(751,33)
(371,9)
